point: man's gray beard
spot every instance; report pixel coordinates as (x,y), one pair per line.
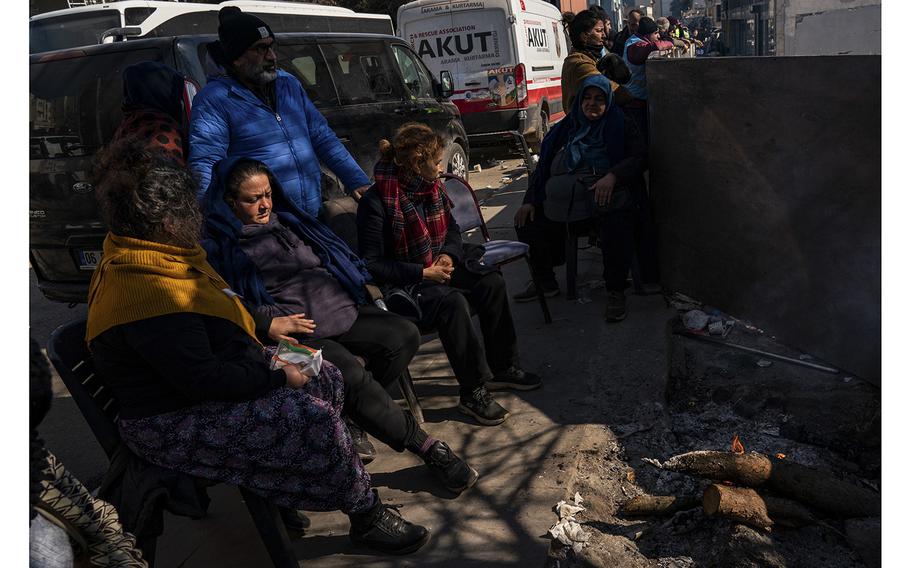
(256,75)
(265,77)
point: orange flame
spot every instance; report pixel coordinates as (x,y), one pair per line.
(781,456)
(736,446)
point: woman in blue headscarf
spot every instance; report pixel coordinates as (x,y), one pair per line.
(590,166)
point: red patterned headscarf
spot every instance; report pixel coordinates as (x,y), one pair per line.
(401,190)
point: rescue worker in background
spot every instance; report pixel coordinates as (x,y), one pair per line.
(663,27)
(260,112)
(586,34)
(628,31)
(635,54)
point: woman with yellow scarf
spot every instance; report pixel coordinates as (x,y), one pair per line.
(179,351)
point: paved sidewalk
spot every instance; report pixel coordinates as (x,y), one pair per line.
(595,374)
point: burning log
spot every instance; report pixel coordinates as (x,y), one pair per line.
(738,503)
(788,513)
(804,484)
(658,505)
(747,506)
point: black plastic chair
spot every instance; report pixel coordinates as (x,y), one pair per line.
(466,211)
(68,353)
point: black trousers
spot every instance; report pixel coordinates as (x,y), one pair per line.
(387,342)
(474,361)
(547,239)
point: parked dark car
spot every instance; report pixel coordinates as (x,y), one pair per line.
(366,85)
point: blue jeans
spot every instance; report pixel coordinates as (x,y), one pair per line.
(49,546)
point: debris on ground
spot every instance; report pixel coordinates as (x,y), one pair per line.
(567,530)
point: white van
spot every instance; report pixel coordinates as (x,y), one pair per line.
(505,57)
(134,19)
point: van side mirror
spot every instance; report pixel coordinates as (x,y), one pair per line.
(446,84)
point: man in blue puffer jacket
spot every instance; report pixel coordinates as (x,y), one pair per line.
(260,112)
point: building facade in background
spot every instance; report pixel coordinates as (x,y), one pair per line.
(798,27)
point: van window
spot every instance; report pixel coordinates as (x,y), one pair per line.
(363,72)
(70,30)
(74,104)
(305,62)
(416,77)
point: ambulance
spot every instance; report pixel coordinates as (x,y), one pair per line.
(504,58)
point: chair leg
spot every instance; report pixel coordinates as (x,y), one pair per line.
(268,522)
(540,297)
(406,382)
(571,265)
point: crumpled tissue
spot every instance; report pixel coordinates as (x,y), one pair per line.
(567,530)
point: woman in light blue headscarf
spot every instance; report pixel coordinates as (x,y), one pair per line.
(590,167)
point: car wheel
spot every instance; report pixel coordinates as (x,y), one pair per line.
(457,161)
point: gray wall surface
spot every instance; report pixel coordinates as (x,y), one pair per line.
(829,27)
(766,186)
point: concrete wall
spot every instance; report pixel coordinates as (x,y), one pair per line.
(766,184)
(829,27)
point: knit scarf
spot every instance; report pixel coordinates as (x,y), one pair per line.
(400,189)
(137,280)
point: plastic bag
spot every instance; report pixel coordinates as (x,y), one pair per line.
(307,359)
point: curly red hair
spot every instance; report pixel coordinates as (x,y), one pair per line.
(414,143)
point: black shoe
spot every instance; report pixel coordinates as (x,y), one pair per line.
(529,294)
(454,473)
(513,378)
(294,520)
(616,306)
(362,444)
(382,528)
(483,408)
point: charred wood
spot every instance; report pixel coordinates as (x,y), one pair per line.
(740,504)
(812,487)
(658,505)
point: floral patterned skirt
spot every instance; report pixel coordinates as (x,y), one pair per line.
(290,446)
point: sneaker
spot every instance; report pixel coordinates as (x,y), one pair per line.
(616,306)
(382,528)
(454,473)
(529,294)
(362,444)
(483,408)
(513,378)
(294,520)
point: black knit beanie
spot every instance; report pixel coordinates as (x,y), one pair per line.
(646,26)
(238,31)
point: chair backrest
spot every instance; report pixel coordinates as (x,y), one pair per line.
(466,209)
(341,216)
(70,356)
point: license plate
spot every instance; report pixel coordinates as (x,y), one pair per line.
(88,259)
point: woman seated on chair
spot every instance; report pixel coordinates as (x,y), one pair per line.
(179,351)
(413,247)
(601,154)
(302,282)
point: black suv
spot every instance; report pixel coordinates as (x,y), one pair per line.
(365,85)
